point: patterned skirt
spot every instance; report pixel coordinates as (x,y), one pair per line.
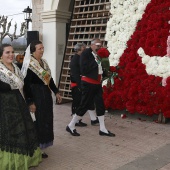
(19,147)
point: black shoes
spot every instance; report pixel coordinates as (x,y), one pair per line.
(44,155)
(110,134)
(80,124)
(95,122)
(74,133)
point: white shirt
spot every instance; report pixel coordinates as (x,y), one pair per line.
(100,70)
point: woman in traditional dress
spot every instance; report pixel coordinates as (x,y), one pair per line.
(37,89)
(19,147)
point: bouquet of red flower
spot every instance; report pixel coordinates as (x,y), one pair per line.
(109,71)
(103,55)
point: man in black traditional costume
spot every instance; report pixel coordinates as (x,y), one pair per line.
(75,76)
(91,71)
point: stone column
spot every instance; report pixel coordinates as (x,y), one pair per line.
(37,7)
(54,39)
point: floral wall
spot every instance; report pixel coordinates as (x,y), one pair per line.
(137,36)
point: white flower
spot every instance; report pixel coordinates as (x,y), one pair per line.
(125,5)
(116,56)
(155,65)
(141,52)
(114,63)
(109,23)
(145,59)
(141,6)
(122,24)
(165,75)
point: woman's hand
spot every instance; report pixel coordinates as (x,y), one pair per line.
(59,99)
(32,108)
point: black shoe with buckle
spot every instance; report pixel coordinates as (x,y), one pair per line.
(74,133)
(95,122)
(44,155)
(110,134)
(80,123)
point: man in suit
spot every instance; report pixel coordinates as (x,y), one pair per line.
(75,76)
(91,71)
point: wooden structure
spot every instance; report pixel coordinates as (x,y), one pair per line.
(89,20)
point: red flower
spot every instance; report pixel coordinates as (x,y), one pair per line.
(112,68)
(167,114)
(123,116)
(133,89)
(103,53)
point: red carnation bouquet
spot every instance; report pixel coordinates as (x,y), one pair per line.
(109,71)
(103,55)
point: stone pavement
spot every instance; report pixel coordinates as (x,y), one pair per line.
(140,144)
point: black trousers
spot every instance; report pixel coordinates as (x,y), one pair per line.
(76,96)
(91,93)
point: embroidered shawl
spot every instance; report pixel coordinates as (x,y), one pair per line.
(9,78)
(44,73)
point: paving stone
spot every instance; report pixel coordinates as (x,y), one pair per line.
(135,141)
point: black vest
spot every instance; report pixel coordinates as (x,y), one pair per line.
(88,65)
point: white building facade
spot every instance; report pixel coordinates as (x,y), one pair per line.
(50,18)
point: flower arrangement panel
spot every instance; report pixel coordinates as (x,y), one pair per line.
(145,25)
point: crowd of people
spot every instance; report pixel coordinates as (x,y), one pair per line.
(26,104)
